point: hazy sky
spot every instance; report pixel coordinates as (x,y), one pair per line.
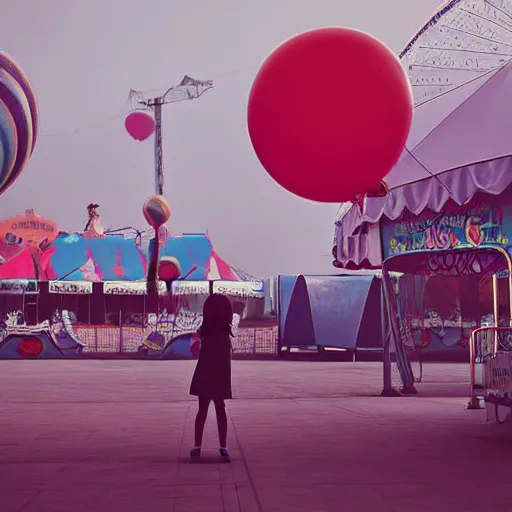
(83,56)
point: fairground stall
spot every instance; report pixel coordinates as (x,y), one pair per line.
(446,222)
(81,294)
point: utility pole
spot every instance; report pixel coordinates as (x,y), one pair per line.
(187,89)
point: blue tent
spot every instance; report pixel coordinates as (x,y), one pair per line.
(330,311)
(112,258)
(198,259)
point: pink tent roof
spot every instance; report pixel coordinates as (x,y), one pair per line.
(23,266)
(465,127)
(459,145)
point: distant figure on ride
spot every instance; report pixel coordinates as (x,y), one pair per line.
(93,228)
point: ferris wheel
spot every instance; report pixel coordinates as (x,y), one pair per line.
(463,40)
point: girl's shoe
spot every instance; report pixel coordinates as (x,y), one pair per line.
(224,452)
(195,452)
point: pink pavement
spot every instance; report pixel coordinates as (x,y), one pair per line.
(106,436)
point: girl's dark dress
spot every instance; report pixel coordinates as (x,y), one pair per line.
(212,376)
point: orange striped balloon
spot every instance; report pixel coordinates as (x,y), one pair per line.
(156,211)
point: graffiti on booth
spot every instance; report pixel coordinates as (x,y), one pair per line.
(469,227)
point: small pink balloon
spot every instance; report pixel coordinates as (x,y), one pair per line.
(140,124)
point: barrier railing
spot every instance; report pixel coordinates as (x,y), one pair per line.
(498,385)
(255,341)
(116,340)
(490,351)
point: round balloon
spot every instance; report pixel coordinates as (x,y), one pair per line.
(169,268)
(14,98)
(156,211)
(329,113)
(10,65)
(140,124)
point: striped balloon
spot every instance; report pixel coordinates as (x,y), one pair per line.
(8,63)
(8,142)
(13,96)
(156,211)
(18,121)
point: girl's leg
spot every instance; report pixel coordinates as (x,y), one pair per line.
(202,413)
(222,422)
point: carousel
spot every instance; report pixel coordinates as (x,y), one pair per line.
(445,222)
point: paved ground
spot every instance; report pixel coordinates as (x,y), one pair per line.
(105,436)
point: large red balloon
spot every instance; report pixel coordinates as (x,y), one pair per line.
(140,124)
(329,113)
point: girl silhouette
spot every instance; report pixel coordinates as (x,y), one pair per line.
(212,376)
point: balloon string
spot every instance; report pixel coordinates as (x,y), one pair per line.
(435,176)
(89,128)
(124,111)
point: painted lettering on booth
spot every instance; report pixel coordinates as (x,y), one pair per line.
(473,227)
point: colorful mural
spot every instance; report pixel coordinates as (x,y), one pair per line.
(468,226)
(162,336)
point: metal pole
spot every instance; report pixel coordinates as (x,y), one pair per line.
(473,403)
(403,363)
(121,340)
(496,308)
(152,277)
(388,389)
(159,163)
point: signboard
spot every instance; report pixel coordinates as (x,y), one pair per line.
(130,288)
(469,226)
(71,287)
(190,288)
(498,371)
(18,286)
(242,289)
(28,228)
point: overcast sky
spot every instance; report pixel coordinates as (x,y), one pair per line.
(83,56)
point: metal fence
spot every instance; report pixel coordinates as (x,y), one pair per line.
(102,339)
(490,361)
(256,341)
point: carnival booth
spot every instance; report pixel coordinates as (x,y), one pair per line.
(88,291)
(446,223)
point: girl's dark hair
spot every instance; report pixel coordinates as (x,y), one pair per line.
(217,315)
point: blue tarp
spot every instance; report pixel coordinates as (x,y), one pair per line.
(190,250)
(73,257)
(285,290)
(116,258)
(328,311)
